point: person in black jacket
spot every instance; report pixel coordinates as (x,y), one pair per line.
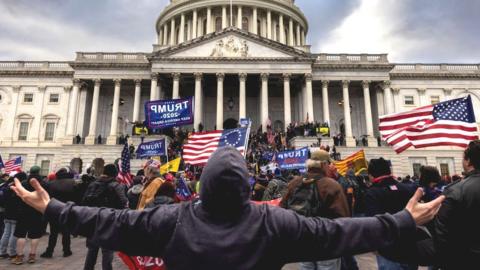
(8,242)
(30,223)
(104,192)
(63,189)
(386,195)
(224,230)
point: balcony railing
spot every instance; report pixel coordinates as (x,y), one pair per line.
(437,68)
(111,57)
(351,58)
(34,65)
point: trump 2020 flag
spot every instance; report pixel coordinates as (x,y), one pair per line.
(449,123)
(201,146)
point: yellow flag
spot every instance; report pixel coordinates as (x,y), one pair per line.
(171,166)
(357,160)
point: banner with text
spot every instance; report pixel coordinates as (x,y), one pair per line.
(169,113)
(152,149)
(294,159)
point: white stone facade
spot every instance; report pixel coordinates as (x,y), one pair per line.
(253,64)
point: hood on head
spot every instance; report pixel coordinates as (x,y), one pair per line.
(225,191)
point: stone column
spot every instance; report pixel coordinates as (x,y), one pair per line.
(396,99)
(92,131)
(255,22)
(172,32)
(287,105)
(181,33)
(198,100)
(194,24)
(220,78)
(72,116)
(264,100)
(160,37)
(326,104)
(309,92)
(209,20)
(153,89)
(448,93)
(112,139)
(224,17)
(299,42)
(243,95)
(388,97)
(346,111)
(176,85)
(269,24)
(422,97)
(165,35)
(137,100)
(372,142)
(282,29)
(302,37)
(239,17)
(290,33)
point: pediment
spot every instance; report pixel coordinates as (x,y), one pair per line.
(232,43)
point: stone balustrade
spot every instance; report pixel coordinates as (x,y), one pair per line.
(436,67)
(111,57)
(349,58)
(36,65)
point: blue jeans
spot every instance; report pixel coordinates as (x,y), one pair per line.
(8,241)
(335,264)
(385,264)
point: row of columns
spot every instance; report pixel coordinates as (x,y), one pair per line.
(264,108)
(296,34)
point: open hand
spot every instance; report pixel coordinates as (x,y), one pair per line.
(422,213)
(37,199)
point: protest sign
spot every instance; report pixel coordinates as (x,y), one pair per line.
(169,113)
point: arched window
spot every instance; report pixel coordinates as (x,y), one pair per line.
(218,24)
(245,23)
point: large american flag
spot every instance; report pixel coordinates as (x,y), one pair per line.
(449,123)
(13,165)
(200,146)
(124,175)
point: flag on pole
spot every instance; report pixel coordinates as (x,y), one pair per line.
(182,190)
(357,161)
(171,166)
(13,165)
(124,175)
(449,123)
(201,146)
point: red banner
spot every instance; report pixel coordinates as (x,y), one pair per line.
(273,202)
(142,262)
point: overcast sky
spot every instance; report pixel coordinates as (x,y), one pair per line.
(408,30)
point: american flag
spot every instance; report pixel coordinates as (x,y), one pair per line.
(124,175)
(200,146)
(449,123)
(182,190)
(13,165)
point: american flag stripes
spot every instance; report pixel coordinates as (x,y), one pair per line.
(124,175)
(200,146)
(449,123)
(13,165)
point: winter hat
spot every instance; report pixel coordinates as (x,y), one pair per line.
(35,170)
(51,176)
(317,158)
(21,176)
(110,170)
(169,177)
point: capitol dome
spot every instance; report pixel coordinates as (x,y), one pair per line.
(278,20)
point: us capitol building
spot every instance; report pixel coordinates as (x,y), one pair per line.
(252,64)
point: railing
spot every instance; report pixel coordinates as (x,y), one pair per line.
(437,67)
(35,65)
(111,57)
(349,58)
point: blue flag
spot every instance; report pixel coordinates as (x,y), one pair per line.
(294,159)
(183,192)
(169,113)
(152,149)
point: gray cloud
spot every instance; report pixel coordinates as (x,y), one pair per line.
(417,30)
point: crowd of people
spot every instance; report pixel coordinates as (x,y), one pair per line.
(319,192)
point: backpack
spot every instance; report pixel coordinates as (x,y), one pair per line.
(305,199)
(102,194)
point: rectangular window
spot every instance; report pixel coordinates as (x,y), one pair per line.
(416,169)
(435,99)
(409,100)
(53,98)
(44,167)
(444,169)
(23,131)
(49,131)
(28,98)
